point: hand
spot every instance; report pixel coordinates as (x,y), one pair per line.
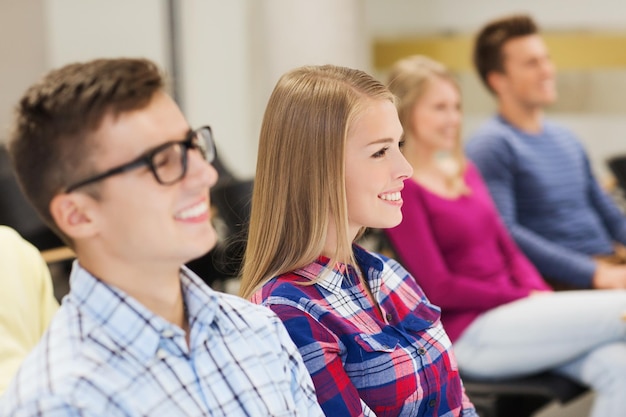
(609,276)
(534,293)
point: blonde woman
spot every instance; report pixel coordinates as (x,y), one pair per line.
(330,165)
(502,317)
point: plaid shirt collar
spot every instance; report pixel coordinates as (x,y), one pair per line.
(336,278)
(116,313)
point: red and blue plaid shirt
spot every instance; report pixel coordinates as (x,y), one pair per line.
(393,362)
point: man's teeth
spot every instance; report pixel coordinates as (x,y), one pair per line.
(195,211)
(391,196)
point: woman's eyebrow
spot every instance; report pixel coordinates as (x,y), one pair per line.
(381,140)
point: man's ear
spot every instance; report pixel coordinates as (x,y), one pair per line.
(496,81)
(74,214)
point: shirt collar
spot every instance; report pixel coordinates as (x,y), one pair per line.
(335,278)
(129,325)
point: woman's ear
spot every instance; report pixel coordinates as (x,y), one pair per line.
(73,214)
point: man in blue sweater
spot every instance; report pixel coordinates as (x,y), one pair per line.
(537,171)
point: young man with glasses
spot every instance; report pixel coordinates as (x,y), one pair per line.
(108,160)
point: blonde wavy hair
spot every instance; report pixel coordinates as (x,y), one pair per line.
(299,187)
(408,79)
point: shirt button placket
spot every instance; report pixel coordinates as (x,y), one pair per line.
(161,353)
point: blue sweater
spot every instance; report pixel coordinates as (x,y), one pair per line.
(545,191)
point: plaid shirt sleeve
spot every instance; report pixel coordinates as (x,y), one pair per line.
(302,386)
(54,406)
(320,350)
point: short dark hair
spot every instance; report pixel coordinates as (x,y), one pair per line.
(487,54)
(50,144)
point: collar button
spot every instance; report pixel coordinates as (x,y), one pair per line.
(161,354)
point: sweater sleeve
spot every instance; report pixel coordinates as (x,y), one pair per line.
(521,270)
(495,160)
(415,243)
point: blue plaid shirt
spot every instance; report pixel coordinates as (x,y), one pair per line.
(105,354)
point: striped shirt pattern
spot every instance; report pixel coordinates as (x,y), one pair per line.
(393,362)
(548,197)
(105,354)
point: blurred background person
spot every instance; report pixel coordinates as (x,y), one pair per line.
(537,171)
(27,302)
(503,319)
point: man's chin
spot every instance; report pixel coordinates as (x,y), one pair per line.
(203,247)
(549,99)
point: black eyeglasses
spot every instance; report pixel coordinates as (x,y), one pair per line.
(168,162)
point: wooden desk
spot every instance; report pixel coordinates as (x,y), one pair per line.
(60,254)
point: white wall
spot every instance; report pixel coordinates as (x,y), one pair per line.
(400,17)
(22,51)
(233,52)
(292,33)
(78,30)
(215,77)
(38,35)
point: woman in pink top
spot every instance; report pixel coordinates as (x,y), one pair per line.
(503,319)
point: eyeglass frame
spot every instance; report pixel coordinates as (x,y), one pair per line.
(147,159)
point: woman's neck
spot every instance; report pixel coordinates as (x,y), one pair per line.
(331,247)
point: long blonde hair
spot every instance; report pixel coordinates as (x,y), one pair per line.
(408,79)
(299,187)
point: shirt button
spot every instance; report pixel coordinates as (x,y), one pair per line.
(388,317)
(161,354)
(421,351)
(167,333)
(432,403)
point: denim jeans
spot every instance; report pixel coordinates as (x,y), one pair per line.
(581,334)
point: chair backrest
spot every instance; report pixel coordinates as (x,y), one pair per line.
(521,397)
(233,204)
(18,213)
(617,165)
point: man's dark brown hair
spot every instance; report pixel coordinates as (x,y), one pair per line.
(490,40)
(50,144)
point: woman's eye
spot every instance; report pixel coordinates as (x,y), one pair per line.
(381,153)
(401,144)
